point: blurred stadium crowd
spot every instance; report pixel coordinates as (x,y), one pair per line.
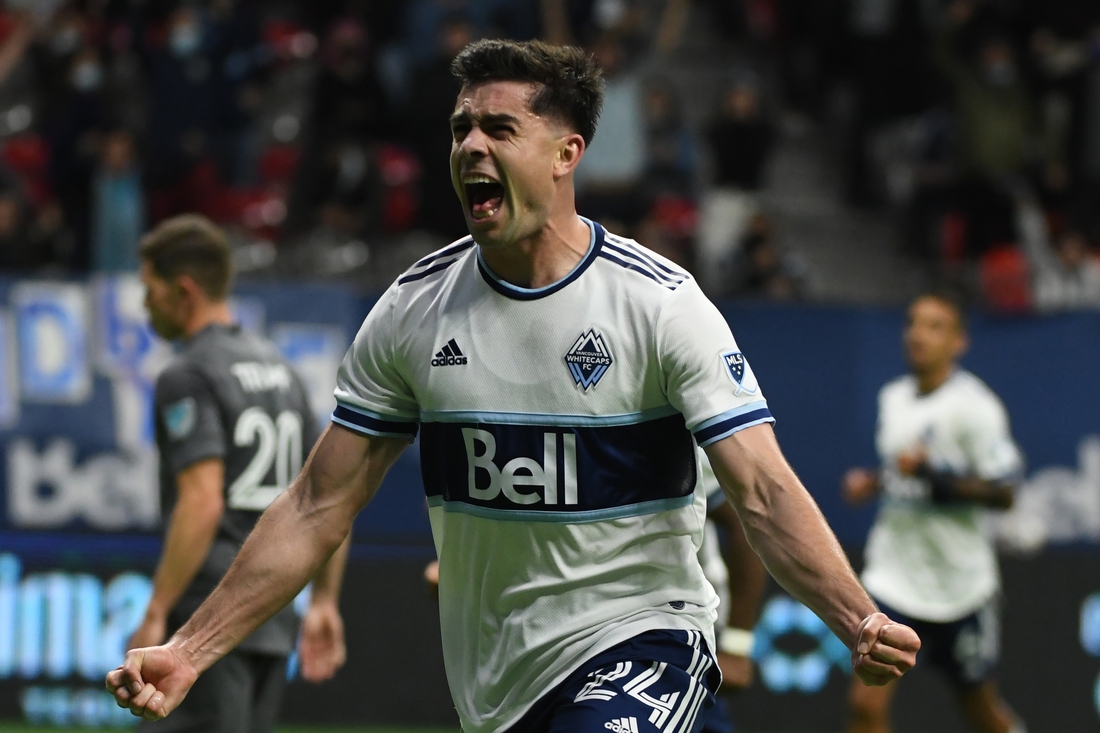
(316,131)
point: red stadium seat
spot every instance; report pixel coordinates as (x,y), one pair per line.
(278,163)
(28,156)
(399,170)
(953,238)
(1005,277)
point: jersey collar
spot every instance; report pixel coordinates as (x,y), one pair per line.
(517,293)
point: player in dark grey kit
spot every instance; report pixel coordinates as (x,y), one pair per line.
(233,426)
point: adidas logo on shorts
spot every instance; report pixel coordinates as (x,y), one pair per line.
(449,355)
(622,725)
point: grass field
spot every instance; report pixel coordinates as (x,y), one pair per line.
(24,728)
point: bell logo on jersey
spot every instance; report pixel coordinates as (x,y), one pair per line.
(588,359)
(738,370)
(481,449)
(449,355)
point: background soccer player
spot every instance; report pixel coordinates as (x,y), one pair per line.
(557,456)
(232,427)
(947,455)
(739,578)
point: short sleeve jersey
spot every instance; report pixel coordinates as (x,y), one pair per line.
(930,561)
(556,431)
(230,395)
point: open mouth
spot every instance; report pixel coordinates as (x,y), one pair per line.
(484,196)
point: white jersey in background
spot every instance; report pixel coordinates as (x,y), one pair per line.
(556,447)
(933,561)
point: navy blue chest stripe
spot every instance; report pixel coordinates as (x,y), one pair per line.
(461,246)
(638,269)
(638,260)
(641,254)
(563,473)
(425,273)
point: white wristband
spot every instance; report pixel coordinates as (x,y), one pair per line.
(738,642)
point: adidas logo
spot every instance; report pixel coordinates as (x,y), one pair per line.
(622,725)
(449,355)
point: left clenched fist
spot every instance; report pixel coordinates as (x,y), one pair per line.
(884,650)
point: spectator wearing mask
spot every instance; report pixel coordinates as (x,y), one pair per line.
(670,147)
(71,127)
(1065,272)
(182,114)
(348,99)
(740,138)
(337,194)
(118,206)
(431,102)
(998,124)
(610,177)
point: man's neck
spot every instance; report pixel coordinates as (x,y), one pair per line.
(930,380)
(542,259)
(208,315)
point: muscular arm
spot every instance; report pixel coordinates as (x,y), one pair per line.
(191,531)
(786,528)
(298,532)
(788,531)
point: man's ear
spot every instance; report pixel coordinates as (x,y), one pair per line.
(191,288)
(570,151)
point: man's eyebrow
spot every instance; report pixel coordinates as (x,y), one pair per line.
(485,119)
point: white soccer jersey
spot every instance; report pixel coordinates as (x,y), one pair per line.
(710,554)
(933,562)
(556,431)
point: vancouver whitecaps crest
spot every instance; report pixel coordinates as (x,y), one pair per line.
(588,359)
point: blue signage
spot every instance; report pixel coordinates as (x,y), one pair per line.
(51,322)
(9,385)
(808,671)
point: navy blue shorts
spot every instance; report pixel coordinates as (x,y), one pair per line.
(716,719)
(966,651)
(658,681)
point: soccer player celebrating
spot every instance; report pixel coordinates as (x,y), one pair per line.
(232,425)
(556,374)
(947,455)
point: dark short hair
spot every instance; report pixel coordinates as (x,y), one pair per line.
(192,245)
(952,299)
(571,82)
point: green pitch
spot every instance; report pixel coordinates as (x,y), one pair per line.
(24,728)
